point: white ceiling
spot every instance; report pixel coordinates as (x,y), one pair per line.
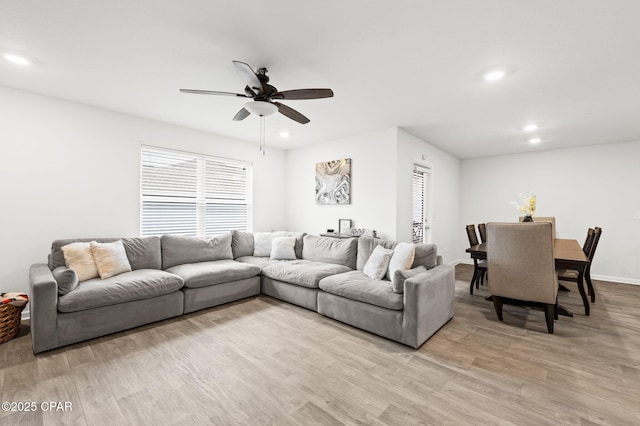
(573,65)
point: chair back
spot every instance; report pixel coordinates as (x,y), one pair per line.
(597,232)
(550,219)
(586,247)
(482,229)
(471,234)
(521,260)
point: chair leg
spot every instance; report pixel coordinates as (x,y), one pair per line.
(473,280)
(555,311)
(592,293)
(497,304)
(549,314)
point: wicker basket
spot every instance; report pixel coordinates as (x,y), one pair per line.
(9,321)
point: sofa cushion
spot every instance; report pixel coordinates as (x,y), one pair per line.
(330,250)
(143,252)
(205,274)
(56,258)
(66,278)
(110,258)
(426,255)
(135,285)
(400,276)
(355,285)
(179,249)
(366,245)
(304,273)
(241,243)
(260,262)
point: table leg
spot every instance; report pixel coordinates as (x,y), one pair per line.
(583,294)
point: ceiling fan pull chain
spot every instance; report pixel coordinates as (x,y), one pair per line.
(263,147)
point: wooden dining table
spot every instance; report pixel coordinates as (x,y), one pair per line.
(568,255)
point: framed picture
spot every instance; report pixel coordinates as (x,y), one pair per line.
(333,182)
(343,225)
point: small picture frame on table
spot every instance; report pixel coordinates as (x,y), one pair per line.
(343,225)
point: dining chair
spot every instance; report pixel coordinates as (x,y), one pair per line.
(550,219)
(589,248)
(517,277)
(482,229)
(479,267)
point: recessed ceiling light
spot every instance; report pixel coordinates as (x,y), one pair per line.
(530,127)
(494,75)
(535,140)
(16,59)
(284,134)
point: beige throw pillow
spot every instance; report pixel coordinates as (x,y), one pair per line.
(402,259)
(78,257)
(111,258)
(376,266)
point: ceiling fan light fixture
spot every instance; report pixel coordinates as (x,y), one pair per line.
(261,108)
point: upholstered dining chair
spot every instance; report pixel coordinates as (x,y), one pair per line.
(479,267)
(550,219)
(521,259)
(589,248)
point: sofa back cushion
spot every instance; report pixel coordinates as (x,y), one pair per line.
(366,245)
(426,254)
(330,250)
(241,243)
(56,258)
(142,252)
(179,249)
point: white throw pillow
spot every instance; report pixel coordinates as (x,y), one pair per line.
(283,248)
(402,259)
(78,257)
(376,266)
(262,242)
(111,258)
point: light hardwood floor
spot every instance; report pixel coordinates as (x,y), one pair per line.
(263,361)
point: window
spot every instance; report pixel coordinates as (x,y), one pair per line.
(193,194)
(420,191)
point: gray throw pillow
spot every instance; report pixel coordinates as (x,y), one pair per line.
(400,276)
(66,278)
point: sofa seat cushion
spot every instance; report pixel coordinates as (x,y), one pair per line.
(355,285)
(126,287)
(204,274)
(304,273)
(260,262)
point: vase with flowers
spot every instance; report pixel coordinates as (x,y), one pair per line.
(526,206)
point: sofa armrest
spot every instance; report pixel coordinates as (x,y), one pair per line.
(43,299)
(428,304)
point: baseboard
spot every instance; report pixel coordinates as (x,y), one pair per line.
(615,279)
(26,314)
(610,278)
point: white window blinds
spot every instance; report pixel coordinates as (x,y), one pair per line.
(417,231)
(193,194)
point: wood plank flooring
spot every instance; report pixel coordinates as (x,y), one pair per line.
(263,361)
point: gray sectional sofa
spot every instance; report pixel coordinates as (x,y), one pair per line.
(173,275)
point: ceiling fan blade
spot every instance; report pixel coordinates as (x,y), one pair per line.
(247,74)
(212,92)
(241,115)
(303,94)
(291,113)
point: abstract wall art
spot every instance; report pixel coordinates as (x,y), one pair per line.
(333,182)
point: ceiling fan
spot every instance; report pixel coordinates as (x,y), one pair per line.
(265,96)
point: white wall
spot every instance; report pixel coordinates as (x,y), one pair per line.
(582,187)
(373,183)
(443,198)
(382,164)
(69,170)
